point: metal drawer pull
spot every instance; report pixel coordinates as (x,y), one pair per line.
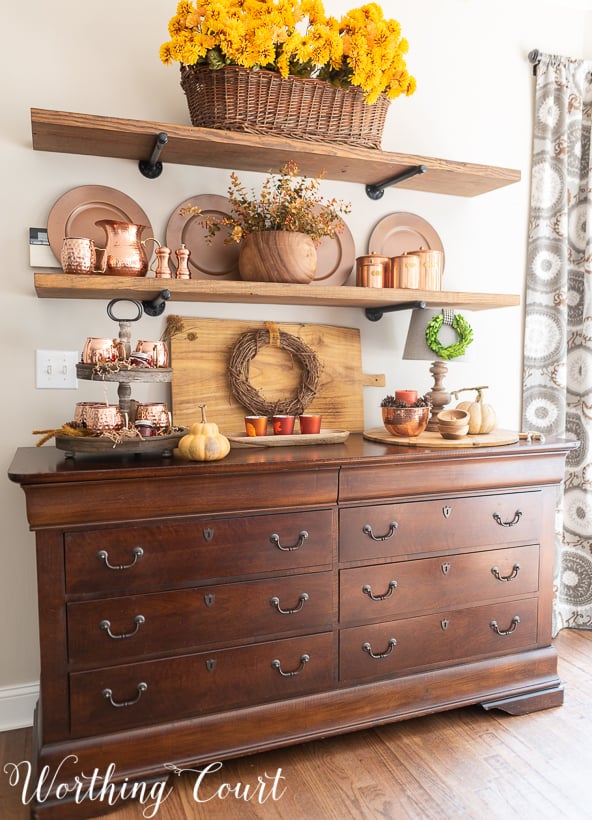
(391,645)
(275,602)
(108,695)
(498,519)
(103,555)
(367,590)
(106,626)
(498,631)
(495,572)
(367,530)
(275,540)
(304,659)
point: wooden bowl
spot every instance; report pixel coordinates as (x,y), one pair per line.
(453,416)
(405,422)
(461,432)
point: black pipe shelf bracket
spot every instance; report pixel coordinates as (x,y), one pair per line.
(376,191)
(374,314)
(156,306)
(152,168)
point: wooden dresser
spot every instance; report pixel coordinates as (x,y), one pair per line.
(194,612)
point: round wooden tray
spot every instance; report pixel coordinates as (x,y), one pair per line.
(428,439)
(155,445)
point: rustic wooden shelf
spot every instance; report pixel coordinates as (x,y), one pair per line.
(134,139)
(67,286)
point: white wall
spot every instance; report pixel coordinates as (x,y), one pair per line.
(473,103)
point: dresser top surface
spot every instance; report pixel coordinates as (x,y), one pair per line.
(48,465)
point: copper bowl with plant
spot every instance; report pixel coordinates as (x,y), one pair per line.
(403,420)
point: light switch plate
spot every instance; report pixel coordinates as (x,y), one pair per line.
(56,369)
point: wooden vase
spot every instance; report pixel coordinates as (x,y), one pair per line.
(278,256)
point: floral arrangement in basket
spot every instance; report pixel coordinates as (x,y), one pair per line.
(293,38)
(286,202)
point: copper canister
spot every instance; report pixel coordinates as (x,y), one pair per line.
(373,271)
(431,266)
(406,270)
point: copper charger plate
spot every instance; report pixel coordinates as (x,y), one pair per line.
(213,259)
(401,232)
(75,214)
(335,258)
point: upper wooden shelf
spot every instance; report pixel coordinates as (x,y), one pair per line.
(66,286)
(134,139)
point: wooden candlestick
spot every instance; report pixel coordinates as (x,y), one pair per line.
(438,395)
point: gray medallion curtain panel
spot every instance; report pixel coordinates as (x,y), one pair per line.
(557,392)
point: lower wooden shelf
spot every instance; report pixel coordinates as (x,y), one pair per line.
(67,286)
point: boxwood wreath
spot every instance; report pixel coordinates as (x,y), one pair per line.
(245,350)
(459,324)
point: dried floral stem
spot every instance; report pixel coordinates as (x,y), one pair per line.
(286,202)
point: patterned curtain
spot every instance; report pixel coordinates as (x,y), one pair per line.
(557,396)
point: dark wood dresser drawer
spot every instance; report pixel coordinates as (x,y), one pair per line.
(411,528)
(430,584)
(120,629)
(169,689)
(396,647)
(111,560)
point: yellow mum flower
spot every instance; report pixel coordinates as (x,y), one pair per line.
(293,37)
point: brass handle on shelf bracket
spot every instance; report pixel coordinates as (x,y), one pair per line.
(108,695)
(106,626)
(367,590)
(512,628)
(391,645)
(498,519)
(367,530)
(496,573)
(275,602)
(277,665)
(275,540)
(103,555)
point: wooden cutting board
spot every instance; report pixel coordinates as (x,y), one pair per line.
(200,356)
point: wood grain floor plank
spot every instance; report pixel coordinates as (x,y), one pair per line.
(466,764)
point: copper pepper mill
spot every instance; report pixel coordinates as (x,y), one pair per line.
(163,270)
(182,255)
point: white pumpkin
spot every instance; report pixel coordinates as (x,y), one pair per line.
(482,416)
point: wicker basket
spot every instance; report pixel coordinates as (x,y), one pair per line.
(263,102)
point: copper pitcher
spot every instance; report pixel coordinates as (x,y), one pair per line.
(124,250)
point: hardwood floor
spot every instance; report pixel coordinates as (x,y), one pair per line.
(466,764)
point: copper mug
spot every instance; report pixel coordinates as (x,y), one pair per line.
(157,351)
(98,351)
(102,418)
(78,255)
(81,412)
(156,412)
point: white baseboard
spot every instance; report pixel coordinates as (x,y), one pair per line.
(17,706)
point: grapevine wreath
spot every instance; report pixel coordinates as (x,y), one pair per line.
(459,324)
(247,347)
